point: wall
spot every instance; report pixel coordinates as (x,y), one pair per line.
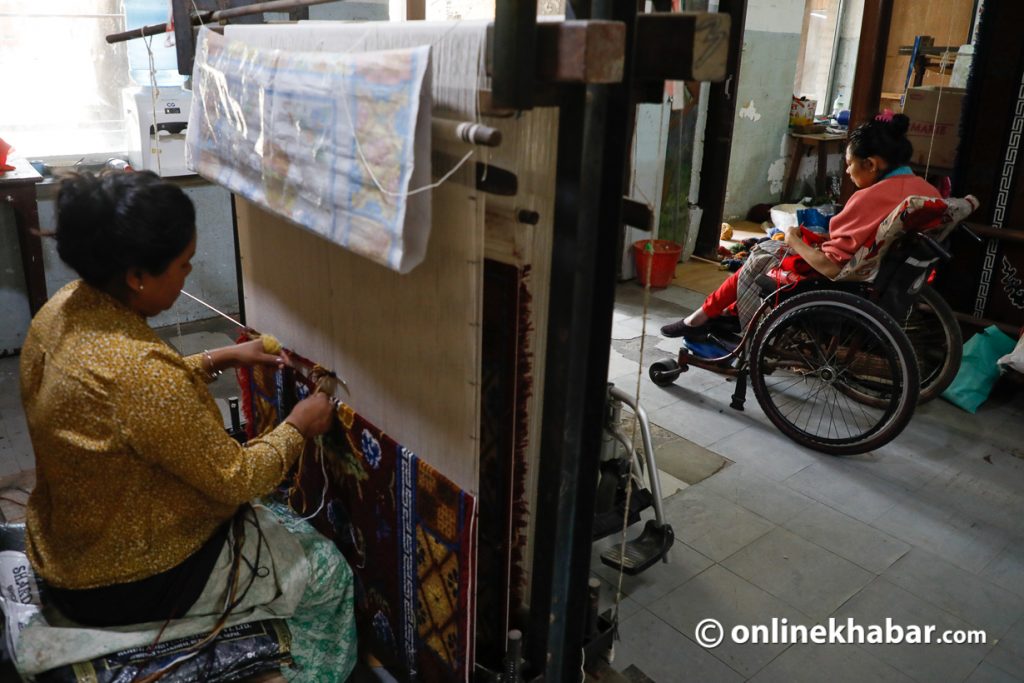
(771,45)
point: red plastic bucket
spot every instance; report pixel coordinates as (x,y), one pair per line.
(656,259)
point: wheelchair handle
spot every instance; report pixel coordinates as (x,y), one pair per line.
(974,235)
(937,248)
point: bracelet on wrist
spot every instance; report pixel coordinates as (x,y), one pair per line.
(212,371)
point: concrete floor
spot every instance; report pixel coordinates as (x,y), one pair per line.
(927,531)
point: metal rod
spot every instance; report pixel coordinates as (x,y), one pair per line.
(214,17)
(645,434)
(465,131)
(218,312)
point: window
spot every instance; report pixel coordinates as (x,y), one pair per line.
(817,52)
(62,81)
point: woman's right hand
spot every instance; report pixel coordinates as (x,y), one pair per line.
(312,415)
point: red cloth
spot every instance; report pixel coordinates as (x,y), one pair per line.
(722,298)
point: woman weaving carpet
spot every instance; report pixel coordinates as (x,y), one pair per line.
(141,501)
(876,161)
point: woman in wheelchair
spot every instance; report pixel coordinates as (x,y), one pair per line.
(140,512)
(876,161)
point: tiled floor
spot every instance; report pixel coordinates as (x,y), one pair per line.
(927,531)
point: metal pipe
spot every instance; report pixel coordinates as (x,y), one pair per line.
(214,17)
(645,434)
(634,465)
(465,131)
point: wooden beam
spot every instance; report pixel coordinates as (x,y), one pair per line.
(1005,234)
(718,136)
(574,51)
(415,10)
(688,46)
(867,82)
(637,214)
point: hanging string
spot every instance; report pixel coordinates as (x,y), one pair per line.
(938,100)
(153,139)
(634,453)
(215,310)
(359,147)
(321,456)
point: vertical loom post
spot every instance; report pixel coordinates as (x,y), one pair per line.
(515,53)
(593,132)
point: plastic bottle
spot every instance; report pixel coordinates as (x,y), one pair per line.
(839,104)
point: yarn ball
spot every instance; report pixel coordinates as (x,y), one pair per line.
(726,231)
(270,343)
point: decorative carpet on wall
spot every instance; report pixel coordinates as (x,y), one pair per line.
(406,530)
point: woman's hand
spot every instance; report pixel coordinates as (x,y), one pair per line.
(245,354)
(814,257)
(251,353)
(793,235)
(312,416)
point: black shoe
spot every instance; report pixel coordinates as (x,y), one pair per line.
(681,329)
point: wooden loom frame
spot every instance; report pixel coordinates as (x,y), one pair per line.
(596,119)
(595,122)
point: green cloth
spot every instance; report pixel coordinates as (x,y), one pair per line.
(324,643)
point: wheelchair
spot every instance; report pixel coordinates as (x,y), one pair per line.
(839,366)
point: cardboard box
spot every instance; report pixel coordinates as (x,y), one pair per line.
(801,111)
(942,132)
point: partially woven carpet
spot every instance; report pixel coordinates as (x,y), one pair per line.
(407,531)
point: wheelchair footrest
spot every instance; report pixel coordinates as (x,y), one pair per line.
(643,551)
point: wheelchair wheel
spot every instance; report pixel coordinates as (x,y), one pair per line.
(935,335)
(811,352)
(664,372)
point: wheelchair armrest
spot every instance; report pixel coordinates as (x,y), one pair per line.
(766,284)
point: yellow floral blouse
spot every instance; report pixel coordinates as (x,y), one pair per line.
(134,471)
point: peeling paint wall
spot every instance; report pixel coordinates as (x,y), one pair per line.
(771,45)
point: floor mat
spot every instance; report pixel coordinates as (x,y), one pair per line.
(700,276)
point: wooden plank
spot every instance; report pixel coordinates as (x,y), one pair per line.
(686,46)
(718,136)
(529,149)
(1008,234)
(407,345)
(867,81)
(575,51)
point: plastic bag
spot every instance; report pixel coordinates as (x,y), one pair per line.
(19,596)
(979,368)
(1015,359)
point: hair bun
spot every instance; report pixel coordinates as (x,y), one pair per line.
(899,125)
(85,212)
